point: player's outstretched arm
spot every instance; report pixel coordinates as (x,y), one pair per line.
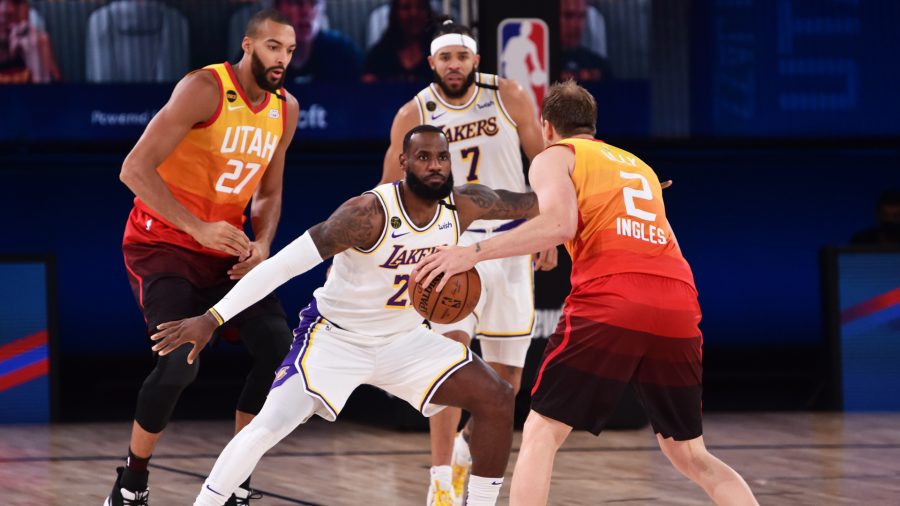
(556,223)
(479,202)
(359,222)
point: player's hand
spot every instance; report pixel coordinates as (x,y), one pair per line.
(223,236)
(197,331)
(665,184)
(545,260)
(447,261)
(258,253)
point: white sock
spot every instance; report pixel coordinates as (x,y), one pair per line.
(443,475)
(285,408)
(461,449)
(483,491)
(209,498)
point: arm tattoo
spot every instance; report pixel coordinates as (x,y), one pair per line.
(357,223)
(500,204)
(478,247)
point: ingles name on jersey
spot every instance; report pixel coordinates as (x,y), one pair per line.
(523,55)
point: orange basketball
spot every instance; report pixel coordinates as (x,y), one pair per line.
(453,303)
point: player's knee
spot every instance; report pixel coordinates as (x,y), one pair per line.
(459,336)
(690,460)
(539,430)
(499,397)
(172,371)
(268,340)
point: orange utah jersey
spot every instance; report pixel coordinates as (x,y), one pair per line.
(216,168)
(622,225)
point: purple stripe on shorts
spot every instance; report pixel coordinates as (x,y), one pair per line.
(309,316)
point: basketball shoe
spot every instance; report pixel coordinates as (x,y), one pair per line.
(242,497)
(440,488)
(123,497)
(461,463)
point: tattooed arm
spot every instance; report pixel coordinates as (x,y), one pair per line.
(479,202)
(557,223)
(357,223)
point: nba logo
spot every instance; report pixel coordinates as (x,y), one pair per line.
(522,54)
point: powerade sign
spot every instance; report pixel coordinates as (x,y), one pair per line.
(334,112)
(83,112)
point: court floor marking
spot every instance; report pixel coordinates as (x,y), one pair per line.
(425,452)
(202,477)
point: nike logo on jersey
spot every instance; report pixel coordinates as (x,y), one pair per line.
(234,107)
(396,235)
(213,491)
(436,116)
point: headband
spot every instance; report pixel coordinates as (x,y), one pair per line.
(453,39)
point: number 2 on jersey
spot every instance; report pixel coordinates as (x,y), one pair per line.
(396,301)
(474,152)
(630,194)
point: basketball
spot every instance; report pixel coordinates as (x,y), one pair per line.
(453,303)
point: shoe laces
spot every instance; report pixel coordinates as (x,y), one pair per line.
(441,496)
(245,501)
(141,498)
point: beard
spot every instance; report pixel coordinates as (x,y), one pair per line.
(423,190)
(461,92)
(260,73)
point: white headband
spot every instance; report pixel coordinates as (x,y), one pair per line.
(453,39)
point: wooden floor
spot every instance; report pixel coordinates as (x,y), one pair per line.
(788,459)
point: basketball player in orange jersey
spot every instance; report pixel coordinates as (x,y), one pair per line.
(361,326)
(632,316)
(219,141)
(486,119)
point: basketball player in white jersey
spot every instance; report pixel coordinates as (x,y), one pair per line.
(361,328)
(486,119)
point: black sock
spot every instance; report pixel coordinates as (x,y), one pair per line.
(135,475)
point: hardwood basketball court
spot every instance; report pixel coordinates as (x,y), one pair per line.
(787,458)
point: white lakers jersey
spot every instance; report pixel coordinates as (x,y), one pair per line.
(367,291)
(484,140)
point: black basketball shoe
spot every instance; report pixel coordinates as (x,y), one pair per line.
(124,497)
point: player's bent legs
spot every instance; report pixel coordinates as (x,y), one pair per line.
(286,407)
(541,438)
(443,425)
(722,483)
(480,391)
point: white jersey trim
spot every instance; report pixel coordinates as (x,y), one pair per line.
(437,96)
(408,220)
